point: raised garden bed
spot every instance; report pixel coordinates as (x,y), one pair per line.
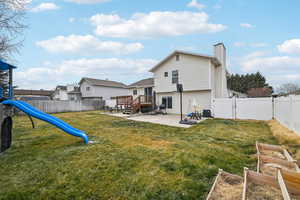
(268,165)
(226,186)
(259,186)
(273,151)
(292,182)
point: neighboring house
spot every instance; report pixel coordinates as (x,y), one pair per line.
(142,87)
(260,92)
(60,93)
(101,89)
(73,92)
(23,94)
(232,93)
(69,92)
(203,78)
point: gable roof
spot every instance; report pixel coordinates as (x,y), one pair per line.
(143,83)
(61,87)
(260,92)
(213,59)
(106,83)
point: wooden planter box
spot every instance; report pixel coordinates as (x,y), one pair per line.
(226,186)
(268,165)
(259,186)
(274,151)
(292,182)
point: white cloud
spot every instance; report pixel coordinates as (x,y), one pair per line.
(271,63)
(51,74)
(277,69)
(72,19)
(246,25)
(154,24)
(88,1)
(195,4)
(44,7)
(87,45)
(255,45)
(290,46)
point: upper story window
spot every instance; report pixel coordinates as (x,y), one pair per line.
(134,92)
(87,88)
(175,76)
(166,74)
(177,57)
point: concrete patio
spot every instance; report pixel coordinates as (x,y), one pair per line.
(169,119)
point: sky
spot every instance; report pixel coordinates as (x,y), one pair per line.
(121,40)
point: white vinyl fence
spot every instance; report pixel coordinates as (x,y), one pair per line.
(243,108)
(284,109)
(49,106)
(287,112)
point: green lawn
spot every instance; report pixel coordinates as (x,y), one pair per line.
(129,160)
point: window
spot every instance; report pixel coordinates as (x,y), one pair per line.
(167,101)
(177,57)
(134,92)
(164,101)
(175,76)
(88,88)
(166,74)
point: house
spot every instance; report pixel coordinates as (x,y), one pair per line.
(143,87)
(69,92)
(203,78)
(73,92)
(60,93)
(232,93)
(101,89)
(260,92)
(33,94)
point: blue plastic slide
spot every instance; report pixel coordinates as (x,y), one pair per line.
(30,110)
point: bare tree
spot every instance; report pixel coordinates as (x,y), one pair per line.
(11,26)
(288,88)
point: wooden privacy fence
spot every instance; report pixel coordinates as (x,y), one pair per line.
(49,106)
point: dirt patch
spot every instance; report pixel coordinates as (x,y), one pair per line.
(228,187)
(263,192)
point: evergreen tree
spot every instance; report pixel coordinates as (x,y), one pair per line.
(243,83)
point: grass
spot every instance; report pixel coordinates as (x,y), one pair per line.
(129,160)
(287,138)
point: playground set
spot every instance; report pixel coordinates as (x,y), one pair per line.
(7,105)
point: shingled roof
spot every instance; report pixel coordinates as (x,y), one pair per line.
(33,92)
(142,83)
(106,83)
(61,87)
(260,92)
